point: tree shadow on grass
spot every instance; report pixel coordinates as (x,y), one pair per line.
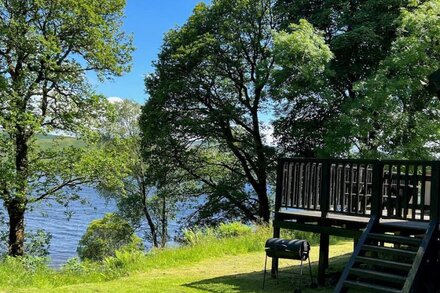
(288,279)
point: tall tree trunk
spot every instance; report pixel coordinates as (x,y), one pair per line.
(264,207)
(16,206)
(261,164)
(164,221)
(150,223)
(143,190)
(16,211)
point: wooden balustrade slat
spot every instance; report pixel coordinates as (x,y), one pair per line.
(422,193)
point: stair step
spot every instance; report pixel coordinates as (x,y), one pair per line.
(389,250)
(383,263)
(395,239)
(399,225)
(356,284)
(378,275)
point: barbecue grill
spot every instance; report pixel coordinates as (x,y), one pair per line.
(289,249)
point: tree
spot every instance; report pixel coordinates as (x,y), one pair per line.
(397,115)
(208,97)
(139,195)
(300,112)
(45,50)
(337,117)
(105,236)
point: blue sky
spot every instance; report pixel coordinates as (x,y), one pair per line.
(148,20)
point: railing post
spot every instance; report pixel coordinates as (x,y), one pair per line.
(435,192)
(278,200)
(324,195)
(376,201)
(324,205)
(279,185)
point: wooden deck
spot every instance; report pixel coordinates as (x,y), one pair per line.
(339,197)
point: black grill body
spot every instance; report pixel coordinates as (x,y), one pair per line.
(285,248)
(295,249)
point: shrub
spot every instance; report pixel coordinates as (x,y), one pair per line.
(104,236)
(38,243)
(198,235)
(233,229)
(73,265)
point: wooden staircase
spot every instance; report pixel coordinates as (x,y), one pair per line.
(387,258)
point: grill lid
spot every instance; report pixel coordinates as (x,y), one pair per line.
(293,248)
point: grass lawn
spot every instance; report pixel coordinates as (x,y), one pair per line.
(233,273)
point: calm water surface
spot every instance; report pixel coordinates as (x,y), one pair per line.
(67,231)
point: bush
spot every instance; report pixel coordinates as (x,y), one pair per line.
(73,265)
(38,243)
(105,236)
(233,229)
(228,230)
(197,235)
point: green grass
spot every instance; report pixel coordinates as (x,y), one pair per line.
(214,265)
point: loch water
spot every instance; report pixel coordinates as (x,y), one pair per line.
(68,224)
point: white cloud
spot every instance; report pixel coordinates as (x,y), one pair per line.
(115,100)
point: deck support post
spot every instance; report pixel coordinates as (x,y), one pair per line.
(324,238)
(355,241)
(435,193)
(324,242)
(275,262)
(276,229)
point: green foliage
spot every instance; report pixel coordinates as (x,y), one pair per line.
(371,100)
(301,56)
(209,97)
(233,229)
(14,274)
(397,115)
(246,276)
(105,236)
(199,235)
(142,197)
(47,47)
(37,243)
(124,261)
(73,265)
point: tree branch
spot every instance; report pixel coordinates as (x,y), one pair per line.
(70,183)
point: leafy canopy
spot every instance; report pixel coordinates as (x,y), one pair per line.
(46,49)
(211,94)
(371,100)
(396,115)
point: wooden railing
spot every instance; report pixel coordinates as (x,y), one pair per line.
(388,189)
(302,182)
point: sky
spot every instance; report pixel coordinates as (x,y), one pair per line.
(148,21)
